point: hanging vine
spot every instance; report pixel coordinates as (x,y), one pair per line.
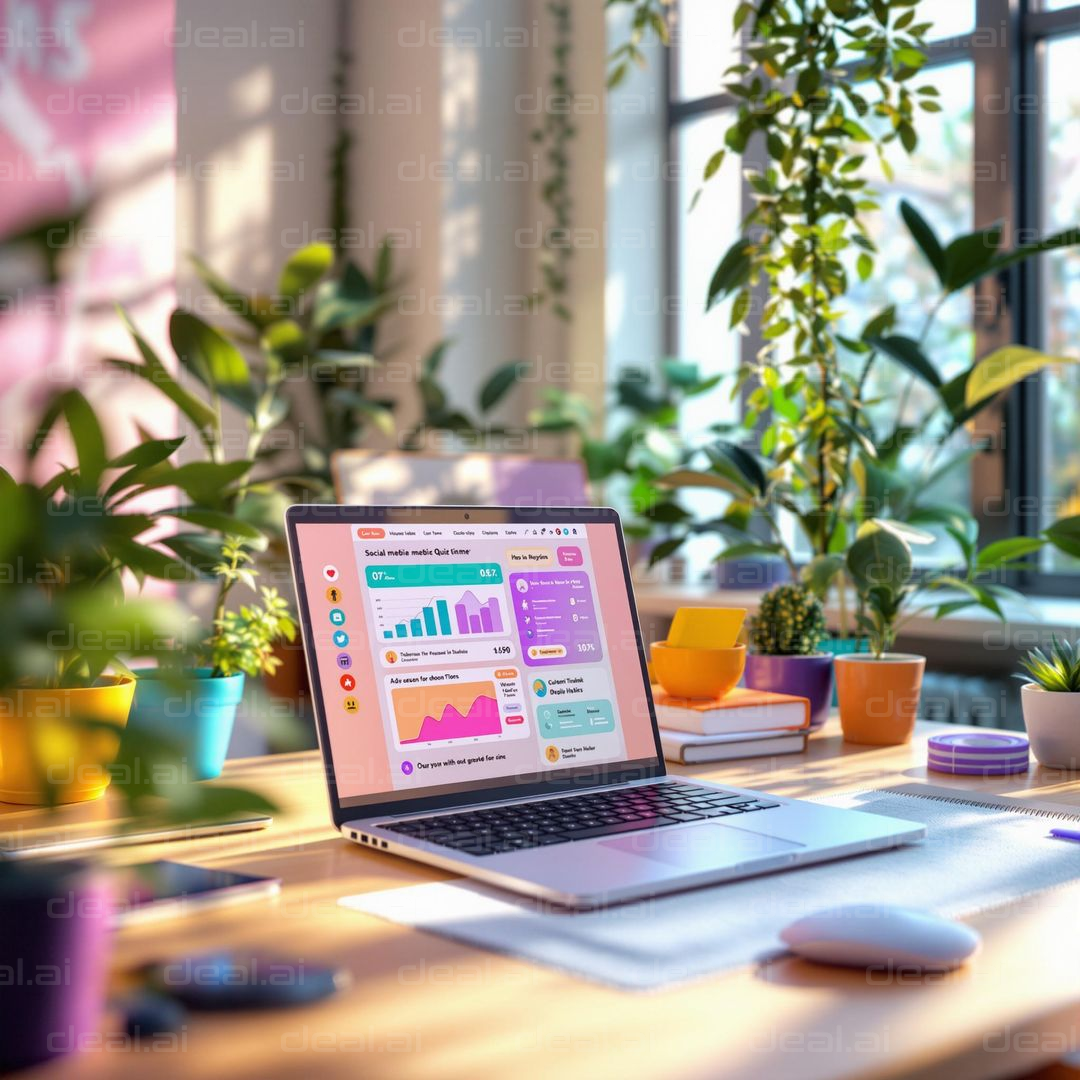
(556,133)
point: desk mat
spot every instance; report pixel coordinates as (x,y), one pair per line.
(980,852)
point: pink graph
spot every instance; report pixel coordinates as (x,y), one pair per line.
(482,718)
(474,617)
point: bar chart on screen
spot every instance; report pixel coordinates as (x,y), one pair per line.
(473,612)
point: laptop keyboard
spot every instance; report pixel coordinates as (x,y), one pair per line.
(578,817)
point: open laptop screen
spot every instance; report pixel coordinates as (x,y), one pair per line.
(454,656)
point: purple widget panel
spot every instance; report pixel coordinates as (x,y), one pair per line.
(555,608)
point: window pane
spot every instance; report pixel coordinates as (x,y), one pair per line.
(704,234)
(702,237)
(1057,5)
(705,46)
(937,179)
(1061,270)
(950,20)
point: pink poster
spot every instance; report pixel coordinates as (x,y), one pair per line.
(87,122)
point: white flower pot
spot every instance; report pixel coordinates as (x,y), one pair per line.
(1052,720)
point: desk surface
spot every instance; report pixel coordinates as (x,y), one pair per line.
(424,1007)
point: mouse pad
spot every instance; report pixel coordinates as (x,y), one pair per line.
(673,939)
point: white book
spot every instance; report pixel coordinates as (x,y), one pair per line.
(740,711)
(689,749)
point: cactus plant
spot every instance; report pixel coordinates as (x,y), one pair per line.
(790,622)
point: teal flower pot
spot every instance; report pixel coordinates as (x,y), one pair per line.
(195,712)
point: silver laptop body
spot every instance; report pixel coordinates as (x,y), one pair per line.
(570,852)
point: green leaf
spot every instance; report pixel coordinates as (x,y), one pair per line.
(287,340)
(215,520)
(336,309)
(145,454)
(692,478)
(258,311)
(86,435)
(1064,239)
(205,482)
(1004,368)
(500,384)
(879,557)
(746,466)
(212,359)
(971,256)
(908,353)
(303,270)
(730,274)
(1064,534)
(713,164)
(925,237)
(383,266)
(865,266)
(432,362)
(995,556)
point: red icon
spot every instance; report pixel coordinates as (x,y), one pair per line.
(348,682)
(330,572)
(516,719)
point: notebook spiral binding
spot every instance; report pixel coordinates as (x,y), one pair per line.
(1012,805)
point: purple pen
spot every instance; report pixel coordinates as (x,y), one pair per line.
(1066,834)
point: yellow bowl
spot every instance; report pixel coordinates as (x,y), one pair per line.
(697,673)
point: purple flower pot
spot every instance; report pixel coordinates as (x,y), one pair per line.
(55,949)
(803,676)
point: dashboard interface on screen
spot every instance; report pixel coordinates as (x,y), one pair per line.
(458,657)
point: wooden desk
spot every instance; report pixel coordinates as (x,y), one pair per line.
(428,1008)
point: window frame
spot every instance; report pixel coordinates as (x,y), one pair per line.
(1009,52)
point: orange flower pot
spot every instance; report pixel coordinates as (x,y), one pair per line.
(879,697)
(41,740)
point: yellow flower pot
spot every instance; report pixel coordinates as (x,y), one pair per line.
(43,740)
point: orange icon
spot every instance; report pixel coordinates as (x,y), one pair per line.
(391,656)
(351,705)
(333,594)
(552,754)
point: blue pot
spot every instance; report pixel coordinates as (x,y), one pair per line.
(193,710)
(810,677)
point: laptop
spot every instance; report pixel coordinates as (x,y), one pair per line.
(483,705)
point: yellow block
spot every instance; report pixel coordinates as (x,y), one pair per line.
(705,628)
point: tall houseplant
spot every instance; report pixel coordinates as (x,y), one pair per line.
(825,87)
(195,703)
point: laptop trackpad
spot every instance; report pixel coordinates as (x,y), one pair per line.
(702,846)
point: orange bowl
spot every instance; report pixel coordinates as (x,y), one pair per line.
(697,673)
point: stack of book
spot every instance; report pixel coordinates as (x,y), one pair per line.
(741,724)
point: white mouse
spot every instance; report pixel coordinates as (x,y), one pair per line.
(879,935)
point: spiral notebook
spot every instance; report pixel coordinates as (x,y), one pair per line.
(981,852)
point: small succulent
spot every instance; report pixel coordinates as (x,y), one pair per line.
(790,622)
(1059,672)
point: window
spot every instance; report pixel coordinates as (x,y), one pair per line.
(1011,151)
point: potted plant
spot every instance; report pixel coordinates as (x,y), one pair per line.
(194,707)
(785,657)
(1050,699)
(70,542)
(193,698)
(68,630)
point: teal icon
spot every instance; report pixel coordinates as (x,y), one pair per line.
(341,639)
(337,616)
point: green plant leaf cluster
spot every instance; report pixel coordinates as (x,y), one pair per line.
(789,622)
(1059,672)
